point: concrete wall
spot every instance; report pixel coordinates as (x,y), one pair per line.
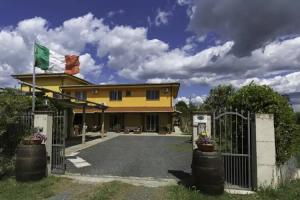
(288,171)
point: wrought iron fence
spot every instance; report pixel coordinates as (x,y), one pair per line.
(14,132)
(232,133)
(58,142)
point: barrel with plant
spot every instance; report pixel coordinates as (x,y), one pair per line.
(207,167)
(31,158)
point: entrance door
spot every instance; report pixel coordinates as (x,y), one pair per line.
(152,122)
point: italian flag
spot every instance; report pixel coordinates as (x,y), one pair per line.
(47,59)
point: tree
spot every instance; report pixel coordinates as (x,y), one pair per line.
(182,107)
(219,98)
(186,115)
(11,105)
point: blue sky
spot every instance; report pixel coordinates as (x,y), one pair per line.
(199,43)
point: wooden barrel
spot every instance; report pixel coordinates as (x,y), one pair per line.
(208,172)
(31,162)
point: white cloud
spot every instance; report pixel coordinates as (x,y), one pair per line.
(162,80)
(113,13)
(16,44)
(162,17)
(191,7)
(134,56)
(149,21)
(184,2)
(288,83)
(89,66)
(194,99)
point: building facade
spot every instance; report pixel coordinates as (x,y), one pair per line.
(148,107)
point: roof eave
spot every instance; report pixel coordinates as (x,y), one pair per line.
(19,76)
(120,85)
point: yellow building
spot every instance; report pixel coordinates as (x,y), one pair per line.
(130,106)
(51,81)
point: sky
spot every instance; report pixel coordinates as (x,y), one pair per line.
(199,43)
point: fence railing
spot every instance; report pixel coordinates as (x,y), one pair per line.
(13,133)
(231,131)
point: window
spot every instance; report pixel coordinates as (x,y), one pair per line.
(152,94)
(115,95)
(80,95)
(128,93)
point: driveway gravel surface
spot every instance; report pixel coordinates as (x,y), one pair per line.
(137,156)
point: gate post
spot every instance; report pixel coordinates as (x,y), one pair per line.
(265,150)
(45,120)
(201,123)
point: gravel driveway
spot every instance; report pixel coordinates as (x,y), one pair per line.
(137,156)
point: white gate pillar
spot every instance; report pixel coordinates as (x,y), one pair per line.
(201,123)
(265,150)
(44,120)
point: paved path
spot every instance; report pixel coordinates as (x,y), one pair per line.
(142,156)
(76,148)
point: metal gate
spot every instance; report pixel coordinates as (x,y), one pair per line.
(58,142)
(232,133)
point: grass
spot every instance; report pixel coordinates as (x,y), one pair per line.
(109,191)
(45,188)
(10,189)
(51,186)
(288,191)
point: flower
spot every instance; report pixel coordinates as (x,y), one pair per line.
(204,139)
(204,133)
(39,136)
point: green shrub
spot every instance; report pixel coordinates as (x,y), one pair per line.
(12,104)
(261,99)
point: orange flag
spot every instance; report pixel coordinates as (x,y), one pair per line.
(72,64)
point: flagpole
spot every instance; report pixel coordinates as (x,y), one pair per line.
(33,82)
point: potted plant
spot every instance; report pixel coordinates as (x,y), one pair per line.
(205,143)
(36,138)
